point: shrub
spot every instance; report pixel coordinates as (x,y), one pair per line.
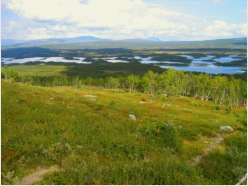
(215,107)
(196,104)
(161,133)
(184,100)
(118,91)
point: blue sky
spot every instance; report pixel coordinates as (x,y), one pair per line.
(124,19)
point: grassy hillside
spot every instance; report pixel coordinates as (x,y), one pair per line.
(92,140)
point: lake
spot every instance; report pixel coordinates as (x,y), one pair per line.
(209,68)
(42,59)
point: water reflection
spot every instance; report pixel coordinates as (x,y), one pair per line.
(228,59)
(111,59)
(211,69)
(208,68)
(42,59)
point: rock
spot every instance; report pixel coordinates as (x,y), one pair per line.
(216,121)
(132,117)
(91,96)
(226,128)
(143,102)
(51,98)
(180,126)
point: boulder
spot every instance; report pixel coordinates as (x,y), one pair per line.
(226,128)
(90,96)
(132,117)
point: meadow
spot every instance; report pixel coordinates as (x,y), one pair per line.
(88,135)
(73,122)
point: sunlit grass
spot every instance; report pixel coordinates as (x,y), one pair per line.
(94,141)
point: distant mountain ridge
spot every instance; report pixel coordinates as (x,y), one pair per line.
(91,42)
(7,42)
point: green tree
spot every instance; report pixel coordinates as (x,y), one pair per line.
(132,82)
(6,72)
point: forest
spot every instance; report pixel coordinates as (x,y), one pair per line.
(222,90)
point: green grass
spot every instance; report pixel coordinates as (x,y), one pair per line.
(40,70)
(94,141)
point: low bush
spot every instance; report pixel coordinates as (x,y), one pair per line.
(215,107)
(196,104)
(162,134)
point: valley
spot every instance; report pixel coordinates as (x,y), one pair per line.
(123,116)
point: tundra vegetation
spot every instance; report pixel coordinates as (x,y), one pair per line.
(82,125)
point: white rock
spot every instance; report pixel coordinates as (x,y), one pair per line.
(91,96)
(132,117)
(226,128)
(143,102)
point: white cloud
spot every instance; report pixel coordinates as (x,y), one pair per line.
(58,28)
(114,19)
(12,26)
(126,14)
(222,29)
(217,1)
(243,29)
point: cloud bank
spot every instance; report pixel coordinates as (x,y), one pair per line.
(114,19)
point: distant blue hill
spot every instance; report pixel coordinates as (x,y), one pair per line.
(7,42)
(153,39)
(150,39)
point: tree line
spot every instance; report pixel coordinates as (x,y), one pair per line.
(171,83)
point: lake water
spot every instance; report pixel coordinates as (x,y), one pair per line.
(42,59)
(227,59)
(209,68)
(145,60)
(112,59)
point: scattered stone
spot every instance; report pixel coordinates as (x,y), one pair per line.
(133,117)
(90,96)
(216,121)
(51,98)
(226,128)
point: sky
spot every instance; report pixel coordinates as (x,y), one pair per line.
(168,20)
